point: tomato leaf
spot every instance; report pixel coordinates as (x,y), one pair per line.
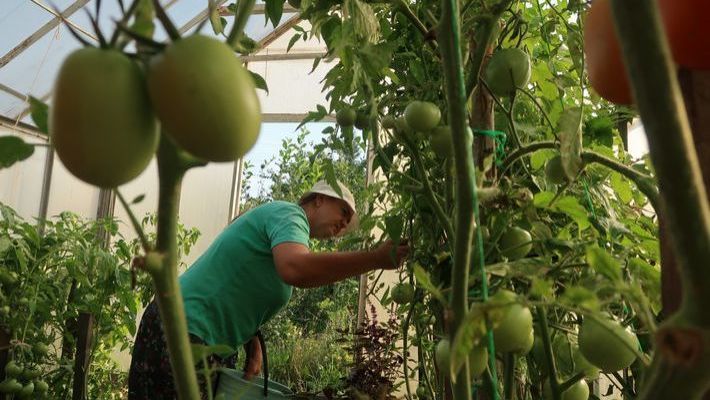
(13,149)
(293,41)
(394,226)
(424,281)
(274,11)
(470,333)
(569,128)
(603,263)
(39,111)
(259,81)
(580,296)
(330,177)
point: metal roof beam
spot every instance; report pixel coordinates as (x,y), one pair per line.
(282,57)
(39,33)
(13,92)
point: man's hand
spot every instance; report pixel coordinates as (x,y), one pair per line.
(252,366)
(392,258)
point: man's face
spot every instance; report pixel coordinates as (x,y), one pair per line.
(332,216)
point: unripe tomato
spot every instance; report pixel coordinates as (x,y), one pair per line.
(607,344)
(26,391)
(362,120)
(402,130)
(101,123)
(442,355)
(527,345)
(345,116)
(581,364)
(10,385)
(578,391)
(422,116)
(30,373)
(515,243)
(422,392)
(554,172)
(205,98)
(441,141)
(388,122)
(478,360)
(507,70)
(512,333)
(41,386)
(402,293)
(40,349)
(12,369)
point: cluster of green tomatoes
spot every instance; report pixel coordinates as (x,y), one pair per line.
(108,109)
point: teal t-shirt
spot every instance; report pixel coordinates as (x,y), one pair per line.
(233,288)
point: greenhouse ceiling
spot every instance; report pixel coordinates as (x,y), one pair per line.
(34,39)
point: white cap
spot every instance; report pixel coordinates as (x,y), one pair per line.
(323,187)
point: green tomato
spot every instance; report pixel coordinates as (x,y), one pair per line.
(607,344)
(345,116)
(554,172)
(40,349)
(402,293)
(101,123)
(41,386)
(30,373)
(10,386)
(402,131)
(8,278)
(512,332)
(507,70)
(422,392)
(422,116)
(442,355)
(478,360)
(578,391)
(4,311)
(583,365)
(205,98)
(515,243)
(26,391)
(441,141)
(362,121)
(388,122)
(12,369)
(527,346)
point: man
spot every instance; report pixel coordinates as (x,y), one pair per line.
(246,276)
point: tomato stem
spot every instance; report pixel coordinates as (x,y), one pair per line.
(171,169)
(549,356)
(680,369)
(240,20)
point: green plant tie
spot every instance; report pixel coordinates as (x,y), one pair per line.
(500,154)
(589,199)
(500,138)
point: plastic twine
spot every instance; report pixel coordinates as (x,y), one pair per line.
(500,138)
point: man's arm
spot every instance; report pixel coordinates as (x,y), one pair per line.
(298,267)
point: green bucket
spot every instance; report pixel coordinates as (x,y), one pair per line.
(233,387)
